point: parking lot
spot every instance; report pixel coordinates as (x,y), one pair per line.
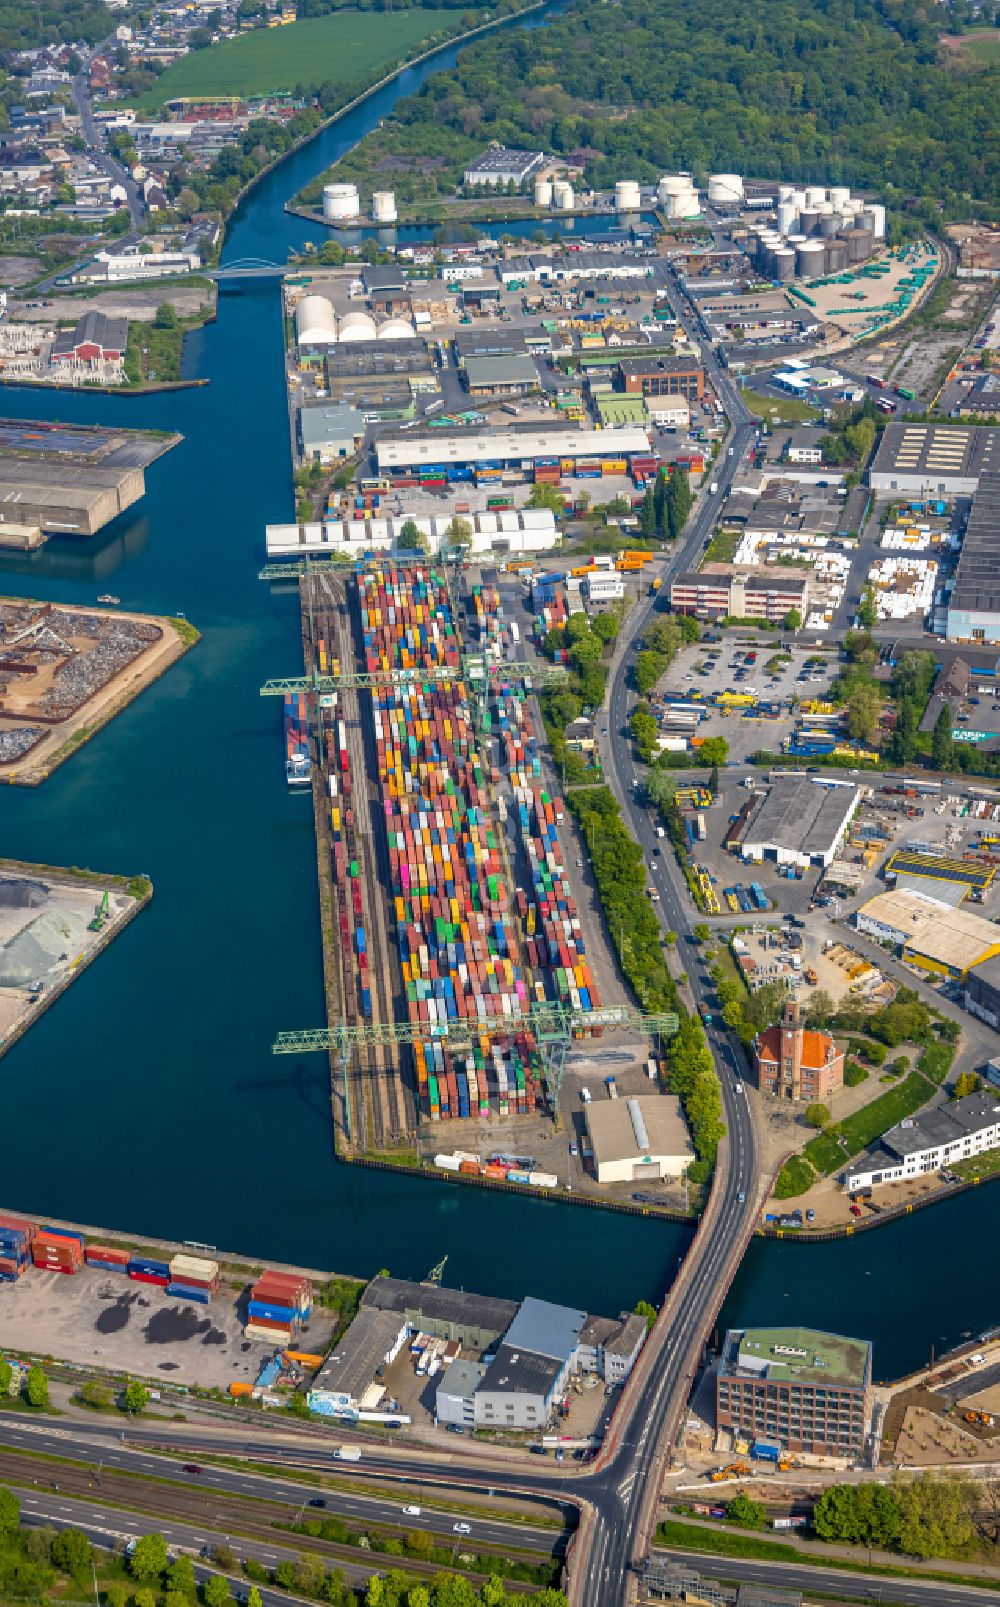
(777,674)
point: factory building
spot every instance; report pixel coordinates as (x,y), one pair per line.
(973,611)
(791,1063)
(927,1142)
(514,448)
(329,433)
(638,1140)
(717,592)
(65,498)
(95,339)
(795,1389)
(541,270)
(501,375)
(931,934)
(801,822)
(982,991)
(530,530)
(662,376)
(522,1354)
(951,881)
(939,460)
(500,166)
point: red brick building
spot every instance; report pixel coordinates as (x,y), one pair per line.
(793,1063)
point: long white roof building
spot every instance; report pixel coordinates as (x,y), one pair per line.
(406,451)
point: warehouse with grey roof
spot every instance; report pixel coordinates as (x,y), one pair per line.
(973,611)
(801,822)
(943,460)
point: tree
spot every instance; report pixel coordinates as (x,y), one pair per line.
(547,496)
(95,1395)
(714,751)
(411,538)
(941,742)
(284,1575)
(867,611)
(199,38)
(420,1543)
(180,1577)
(643,1308)
(254,1598)
(116,1595)
(136,1397)
(37,1387)
(702,932)
(647,515)
(792,620)
(144,1598)
(71,1551)
(863,708)
(459,532)
(6,1376)
(817,1115)
(746,1514)
(936,1514)
(677,501)
(966,1083)
(215,1591)
(166,317)
(309,1575)
(605,627)
(149,1557)
(10,1514)
(648,669)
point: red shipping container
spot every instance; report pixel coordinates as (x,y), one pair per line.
(149,1277)
(100,1252)
(269,1322)
(19,1224)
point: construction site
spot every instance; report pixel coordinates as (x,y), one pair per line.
(52,924)
(463,952)
(64,672)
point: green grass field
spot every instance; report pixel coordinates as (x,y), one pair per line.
(787,410)
(343,46)
(984,46)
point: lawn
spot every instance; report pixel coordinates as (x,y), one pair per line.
(984,46)
(343,46)
(785,410)
(891,1107)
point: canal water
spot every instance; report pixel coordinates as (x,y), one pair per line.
(147,1098)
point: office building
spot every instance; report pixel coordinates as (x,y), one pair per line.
(801,822)
(793,1063)
(929,1141)
(669,375)
(718,592)
(795,1388)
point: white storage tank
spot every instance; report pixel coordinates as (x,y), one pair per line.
(340,202)
(357,326)
(563,198)
(628,197)
(543,192)
(384,206)
(725,189)
(810,259)
(874,219)
(672,184)
(685,204)
(808,220)
(396,329)
(315,323)
(799,198)
(839,197)
(785,192)
(815,195)
(787,216)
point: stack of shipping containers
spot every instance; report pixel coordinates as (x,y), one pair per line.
(143,1269)
(280,1303)
(106,1258)
(193,1277)
(57,1250)
(457,943)
(16,1237)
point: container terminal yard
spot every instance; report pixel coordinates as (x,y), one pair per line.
(64,672)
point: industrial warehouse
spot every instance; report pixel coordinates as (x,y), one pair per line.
(973,613)
(800,822)
(929,933)
(71,479)
(939,460)
(468,1360)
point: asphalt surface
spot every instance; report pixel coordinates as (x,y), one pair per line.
(813,1580)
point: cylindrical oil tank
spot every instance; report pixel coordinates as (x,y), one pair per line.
(672,184)
(829,224)
(543,192)
(384,206)
(787,216)
(357,326)
(628,197)
(784,264)
(852,206)
(795,239)
(798,197)
(858,243)
(810,259)
(815,195)
(839,196)
(725,189)
(808,220)
(785,192)
(878,214)
(683,205)
(562,196)
(340,202)
(315,324)
(836,256)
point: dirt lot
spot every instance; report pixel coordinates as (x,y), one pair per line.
(127,301)
(105,1320)
(21,700)
(18,270)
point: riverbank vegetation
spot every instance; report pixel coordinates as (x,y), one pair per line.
(646,87)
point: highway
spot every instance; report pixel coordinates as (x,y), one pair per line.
(813,1581)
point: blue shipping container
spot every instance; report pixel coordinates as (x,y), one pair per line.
(259,1308)
(65,1233)
(201,1295)
(159,1269)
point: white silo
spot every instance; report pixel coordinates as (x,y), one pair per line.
(785,192)
(725,189)
(384,206)
(787,215)
(543,192)
(683,205)
(628,196)
(672,184)
(839,196)
(357,326)
(340,202)
(563,198)
(874,216)
(815,196)
(396,329)
(798,198)
(315,323)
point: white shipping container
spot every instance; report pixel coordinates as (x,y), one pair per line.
(447,1163)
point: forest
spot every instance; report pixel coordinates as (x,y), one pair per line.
(53,22)
(858,92)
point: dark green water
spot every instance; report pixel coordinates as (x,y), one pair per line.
(148,1098)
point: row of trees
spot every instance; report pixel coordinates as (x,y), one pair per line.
(661,641)
(666,505)
(925,1516)
(694,1079)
